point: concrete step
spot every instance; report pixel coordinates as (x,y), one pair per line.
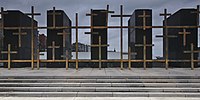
(100,77)
(95,89)
(191,85)
(100,86)
(101,80)
(97,94)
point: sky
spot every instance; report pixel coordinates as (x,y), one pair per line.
(83,6)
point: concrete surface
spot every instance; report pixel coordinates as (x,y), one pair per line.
(94,98)
(97,72)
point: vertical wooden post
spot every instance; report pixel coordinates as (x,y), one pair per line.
(121,36)
(38,59)
(129,58)
(9,57)
(192,56)
(67,60)
(99,52)
(144,52)
(76,41)
(32,37)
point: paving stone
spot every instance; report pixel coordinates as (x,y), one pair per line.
(146,90)
(129,94)
(82,80)
(111,80)
(166,94)
(127,85)
(94,94)
(96,84)
(78,89)
(181,90)
(112,89)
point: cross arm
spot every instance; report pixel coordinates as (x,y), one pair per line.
(36,14)
(53,46)
(22,33)
(141,45)
(197,51)
(165,14)
(63,56)
(93,14)
(133,53)
(143,15)
(121,15)
(106,11)
(62,33)
(187,52)
(4,52)
(163,36)
(91,32)
(51,13)
(97,45)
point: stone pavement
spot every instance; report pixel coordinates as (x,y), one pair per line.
(97,72)
(95,98)
(175,74)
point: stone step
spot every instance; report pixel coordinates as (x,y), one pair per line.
(192,85)
(101,80)
(100,77)
(95,89)
(97,94)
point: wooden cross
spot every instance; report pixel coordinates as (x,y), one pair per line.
(53,47)
(184,33)
(32,14)
(99,45)
(64,34)
(107,11)
(144,16)
(192,51)
(165,14)
(54,16)
(91,14)
(121,16)
(166,36)
(9,52)
(144,45)
(19,36)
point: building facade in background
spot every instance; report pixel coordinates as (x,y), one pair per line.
(1,42)
(42,42)
(135,35)
(61,19)
(81,47)
(183,17)
(15,18)
(99,20)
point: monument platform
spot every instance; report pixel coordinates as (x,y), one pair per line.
(107,83)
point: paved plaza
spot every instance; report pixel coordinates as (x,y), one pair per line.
(95,98)
(97,72)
